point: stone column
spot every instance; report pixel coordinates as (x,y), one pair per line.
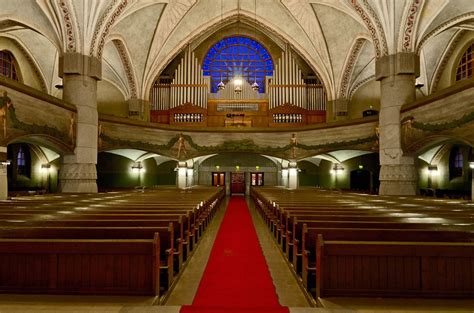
(181,178)
(292,176)
(3,174)
(284,177)
(471,166)
(189,176)
(336,110)
(139,109)
(80,74)
(397,74)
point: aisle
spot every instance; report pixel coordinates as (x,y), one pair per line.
(236,278)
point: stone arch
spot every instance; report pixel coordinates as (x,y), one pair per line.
(213,26)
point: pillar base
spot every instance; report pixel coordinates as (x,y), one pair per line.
(398,180)
(78,178)
(3,182)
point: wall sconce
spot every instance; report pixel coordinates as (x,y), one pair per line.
(471,164)
(46,168)
(6,162)
(217,167)
(432,169)
(137,167)
(337,169)
(237,167)
(257,167)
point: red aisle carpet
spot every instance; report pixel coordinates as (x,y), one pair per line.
(236,278)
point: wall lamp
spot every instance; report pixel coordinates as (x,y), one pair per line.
(6,162)
(432,169)
(471,164)
(337,168)
(46,167)
(137,167)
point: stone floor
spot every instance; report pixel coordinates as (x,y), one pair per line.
(286,287)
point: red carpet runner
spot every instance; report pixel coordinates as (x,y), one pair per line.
(236,278)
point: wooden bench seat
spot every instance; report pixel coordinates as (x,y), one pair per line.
(388,269)
(73,266)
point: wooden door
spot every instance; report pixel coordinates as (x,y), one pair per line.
(237,184)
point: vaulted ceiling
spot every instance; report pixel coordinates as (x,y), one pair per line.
(137,39)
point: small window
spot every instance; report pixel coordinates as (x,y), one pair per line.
(256,179)
(465,66)
(456,163)
(218,179)
(21,162)
(8,65)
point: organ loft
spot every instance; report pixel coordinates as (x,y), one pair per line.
(236,156)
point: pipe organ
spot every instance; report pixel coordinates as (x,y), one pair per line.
(287,86)
(187,86)
(289,99)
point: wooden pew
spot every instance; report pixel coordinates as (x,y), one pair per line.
(309,251)
(74,266)
(112,233)
(394,269)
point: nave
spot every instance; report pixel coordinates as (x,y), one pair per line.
(184,291)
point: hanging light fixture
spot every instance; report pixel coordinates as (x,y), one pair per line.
(221,85)
(237,79)
(255,85)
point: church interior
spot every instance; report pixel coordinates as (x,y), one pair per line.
(236,156)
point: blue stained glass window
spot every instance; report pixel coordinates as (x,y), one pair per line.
(237,56)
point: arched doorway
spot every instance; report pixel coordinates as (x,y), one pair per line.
(360,180)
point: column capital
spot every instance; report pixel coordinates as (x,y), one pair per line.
(79,64)
(402,63)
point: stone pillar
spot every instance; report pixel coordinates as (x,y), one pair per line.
(397,74)
(247,182)
(3,174)
(80,74)
(284,177)
(292,176)
(181,178)
(139,109)
(337,110)
(330,111)
(189,176)
(471,166)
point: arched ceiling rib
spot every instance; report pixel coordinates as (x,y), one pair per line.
(339,39)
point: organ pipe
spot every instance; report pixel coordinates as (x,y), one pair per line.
(288,86)
(188,85)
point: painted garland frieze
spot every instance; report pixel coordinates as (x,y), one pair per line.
(414,132)
(182,146)
(13,127)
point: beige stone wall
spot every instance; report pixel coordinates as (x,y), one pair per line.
(366,96)
(110,100)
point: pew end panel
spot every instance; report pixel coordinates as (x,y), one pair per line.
(395,269)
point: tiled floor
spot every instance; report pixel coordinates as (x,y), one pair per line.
(286,287)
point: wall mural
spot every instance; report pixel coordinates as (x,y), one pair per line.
(13,126)
(182,147)
(415,133)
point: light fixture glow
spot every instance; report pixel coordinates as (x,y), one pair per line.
(137,168)
(45,168)
(238,82)
(432,169)
(471,165)
(337,169)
